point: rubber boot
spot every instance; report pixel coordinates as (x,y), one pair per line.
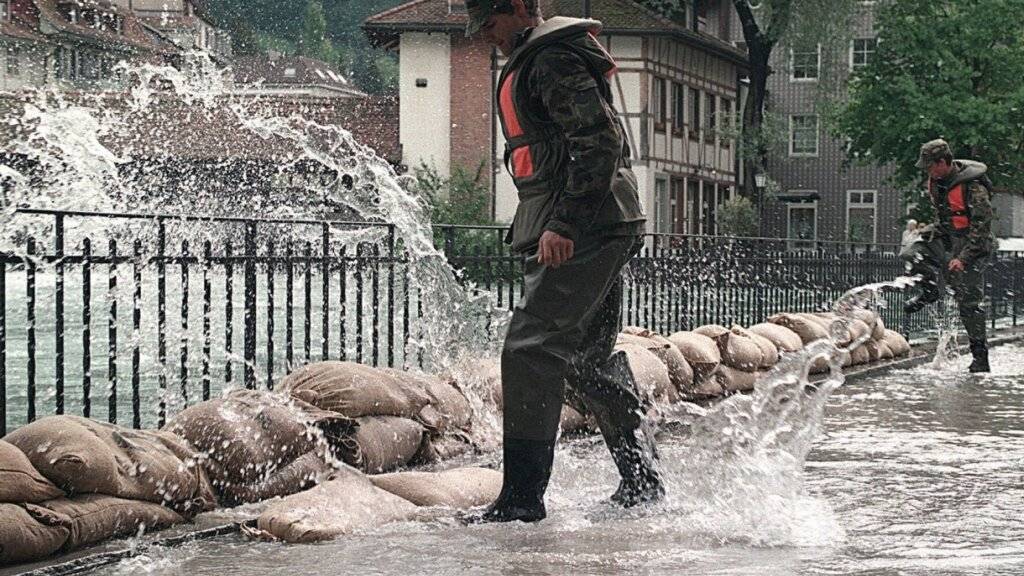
(527,469)
(929,295)
(636,456)
(979,349)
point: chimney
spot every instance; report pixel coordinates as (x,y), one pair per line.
(456,6)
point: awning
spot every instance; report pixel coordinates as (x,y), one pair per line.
(798,196)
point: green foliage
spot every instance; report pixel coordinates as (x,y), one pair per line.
(461,199)
(949,69)
(313,41)
(738,217)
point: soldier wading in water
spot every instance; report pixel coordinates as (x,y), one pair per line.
(577,223)
(957,247)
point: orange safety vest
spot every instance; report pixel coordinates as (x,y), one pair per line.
(961,215)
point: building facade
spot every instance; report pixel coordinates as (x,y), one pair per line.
(676,91)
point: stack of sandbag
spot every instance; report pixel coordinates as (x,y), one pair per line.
(703,356)
(67,482)
(385,406)
(458,488)
(680,374)
(741,356)
(447,419)
(258,444)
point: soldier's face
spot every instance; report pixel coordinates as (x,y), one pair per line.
(938,170)
(500,31)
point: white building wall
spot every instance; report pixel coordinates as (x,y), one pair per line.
(425,112)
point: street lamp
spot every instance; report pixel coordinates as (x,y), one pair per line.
(760,179)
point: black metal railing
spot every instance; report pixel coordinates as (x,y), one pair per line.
(172,309)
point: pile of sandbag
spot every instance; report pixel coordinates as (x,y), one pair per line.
(862,334)
(398,417)
(257,444)
(350,501)
(67,482)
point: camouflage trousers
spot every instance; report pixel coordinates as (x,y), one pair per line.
(930,259)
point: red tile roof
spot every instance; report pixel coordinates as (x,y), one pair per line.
(618,17)
(134,36)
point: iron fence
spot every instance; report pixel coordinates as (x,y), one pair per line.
(145,314)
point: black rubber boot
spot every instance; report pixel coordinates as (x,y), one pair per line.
(929,295)
(636,457)
(979,349)
(527,469)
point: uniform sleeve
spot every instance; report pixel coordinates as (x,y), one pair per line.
(979,238)
(570,96)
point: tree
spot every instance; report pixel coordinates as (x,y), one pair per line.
(738,217)
(943,69)
(313,41)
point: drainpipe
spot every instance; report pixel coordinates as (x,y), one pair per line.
(494,144)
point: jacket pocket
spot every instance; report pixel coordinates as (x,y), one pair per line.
(622,205)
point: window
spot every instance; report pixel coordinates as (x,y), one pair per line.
(709,209)
(679,206)
(860,216)
(727,123)
(678,108)
(861,52)
(802,225)
(803,135)
(804,64)
(695,117)
(658,106)
(693,207)
(710,117)
(13,61)
(662,213)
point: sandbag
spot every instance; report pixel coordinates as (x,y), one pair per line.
(19,481)
(808,330)
(248,434)
(460,488)
(83,456)
(733,380)
(897,343)
(23,538)
(868,317)
(448,408)
(874,350)
(712,331)
(301,474)
(571,420)
(859,355)
(738,351)
(441,448)
(884,352)
(769,353)
(381,443)
(700,352)
(346,502)
(828,321)
(650,373)
(355,390)
(784,339)
(679,370)
(878,329)
(858,329)
(92,518)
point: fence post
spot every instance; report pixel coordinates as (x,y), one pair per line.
(58,252)
(250,305)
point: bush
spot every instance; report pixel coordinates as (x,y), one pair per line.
(738,217)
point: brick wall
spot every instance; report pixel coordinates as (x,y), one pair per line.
(471,105)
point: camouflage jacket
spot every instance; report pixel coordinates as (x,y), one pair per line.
(977,240)
(565,146)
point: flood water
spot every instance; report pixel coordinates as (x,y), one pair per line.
(915,472)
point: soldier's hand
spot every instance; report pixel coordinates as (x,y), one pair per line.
(554,249)
(956,265)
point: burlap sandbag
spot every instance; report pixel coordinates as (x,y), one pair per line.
(679,370)
(572,421)
(769,353)
(859,356)
(92,518)
(738,351)
(868,317)
(700,352)
(460,488)
(448,408)
(346,502)
(733,380)
(878,330)
(827,320)
(356,390)
(712,331)
(83,456)
(248,434)
(480,378)
(441,448)
(897,343)
(381,443)
(301,474)
(874,350)
(25,539)
(808,330)
(884,352)
(650,373)
(784,339)
(19,481)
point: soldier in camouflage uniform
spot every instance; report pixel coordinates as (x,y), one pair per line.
(957,247)
(577,224)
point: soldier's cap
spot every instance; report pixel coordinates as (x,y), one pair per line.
(932,152)
(479,11)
